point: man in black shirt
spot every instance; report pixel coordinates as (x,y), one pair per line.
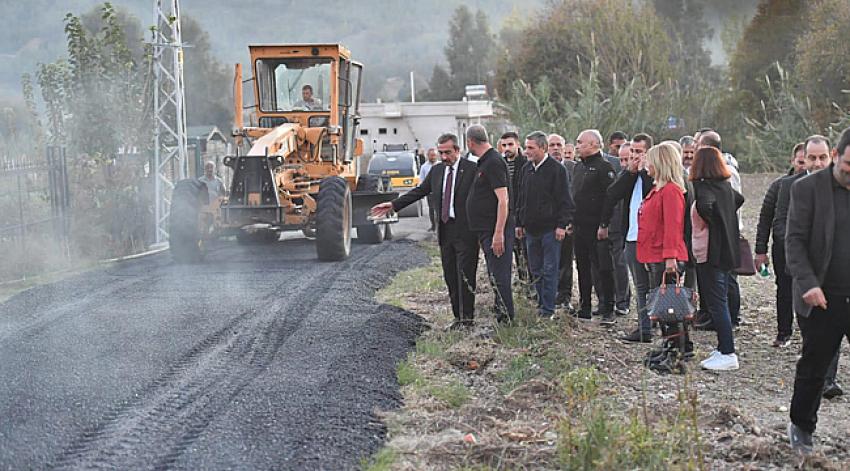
(818,252)
(593,175)
(448,184)
(544,212)
(488,210)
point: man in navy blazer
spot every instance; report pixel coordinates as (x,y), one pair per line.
(448,184)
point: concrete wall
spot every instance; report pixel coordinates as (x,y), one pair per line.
(418,124)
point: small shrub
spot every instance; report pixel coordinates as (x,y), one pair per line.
(407,373)
(454,394)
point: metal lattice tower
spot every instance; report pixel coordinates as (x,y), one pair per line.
(170,161)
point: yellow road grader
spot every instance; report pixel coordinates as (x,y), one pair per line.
(302,171)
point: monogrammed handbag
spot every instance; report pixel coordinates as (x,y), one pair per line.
(671,303)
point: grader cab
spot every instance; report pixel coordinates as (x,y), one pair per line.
(302,169)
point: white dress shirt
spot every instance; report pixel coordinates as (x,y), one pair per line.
(454,181)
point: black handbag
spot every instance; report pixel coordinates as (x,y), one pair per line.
(747,266)
(671,303)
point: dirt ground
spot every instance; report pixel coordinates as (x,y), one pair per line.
(504,416)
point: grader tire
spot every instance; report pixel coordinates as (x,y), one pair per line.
(184,235)
(369,233)
(333,219)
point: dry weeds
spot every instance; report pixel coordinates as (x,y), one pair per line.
(520,396)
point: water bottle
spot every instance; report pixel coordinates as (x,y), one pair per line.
(763,271)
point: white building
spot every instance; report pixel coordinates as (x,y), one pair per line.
(418,124)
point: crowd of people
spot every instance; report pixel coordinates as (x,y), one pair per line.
(655,214)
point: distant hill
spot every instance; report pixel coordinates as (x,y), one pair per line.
(390,37)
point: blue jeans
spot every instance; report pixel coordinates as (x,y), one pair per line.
(714,290)
(640,276)
(499,271)
(544,252)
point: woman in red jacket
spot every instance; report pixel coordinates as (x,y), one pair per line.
(661,219)
(661,232)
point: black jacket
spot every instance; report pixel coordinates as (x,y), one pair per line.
(434,184)
(810,234)
(621,192)
(519,163)
(717,204)
(592,177)
(783,203)
(543,197)
(767,221)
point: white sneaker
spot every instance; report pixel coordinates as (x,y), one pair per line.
(721,362)
(711,355)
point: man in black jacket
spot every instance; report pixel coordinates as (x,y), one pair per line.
(630,188)
(592,177)
(449,183)
(818,252)
(544,213)
(768,224)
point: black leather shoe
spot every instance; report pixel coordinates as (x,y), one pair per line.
(831,390)
(583,314)
(608,318)
(636,336)
(461,325)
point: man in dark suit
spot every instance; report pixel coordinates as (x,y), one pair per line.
(818,257)
(448,183)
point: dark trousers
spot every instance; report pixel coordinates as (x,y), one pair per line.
(544,253)
(733,297)
(713,289)
(499,271)
(640,276)
(784,293)
(520,254)
(565,271)
(622,291)
(459,255)
(432,212)
(592,253)
(822,333)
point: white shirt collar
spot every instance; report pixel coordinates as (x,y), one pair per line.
(536,166)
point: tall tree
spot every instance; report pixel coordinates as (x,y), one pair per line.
(572,36)
(469,53)
(823,57)
(769,38)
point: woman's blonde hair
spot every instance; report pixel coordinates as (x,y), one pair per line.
(668,165)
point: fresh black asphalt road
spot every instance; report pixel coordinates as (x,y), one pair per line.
(259,358)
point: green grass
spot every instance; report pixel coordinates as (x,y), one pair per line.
(455,394)
(418,280)
(551,365)
(383,460)
(407,373)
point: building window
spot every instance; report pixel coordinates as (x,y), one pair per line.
(382,130)
(395,130)
(364,132)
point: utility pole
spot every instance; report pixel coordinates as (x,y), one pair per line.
(170,160)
